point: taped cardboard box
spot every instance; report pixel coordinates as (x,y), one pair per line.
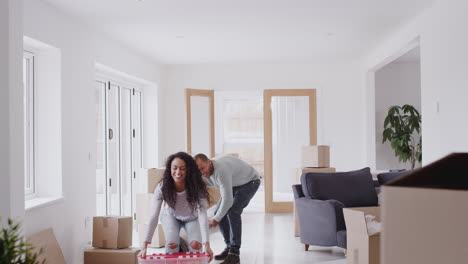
(315,156)
(51,250)
(158,240)
(112,232)
(362,247)
(424,214)
(111,256)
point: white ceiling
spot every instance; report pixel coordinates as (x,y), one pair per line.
(230,31)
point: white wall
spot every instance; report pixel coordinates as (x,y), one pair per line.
(4,111)
(80,49)
(11,112)
(340,99)
(397,83)
(444,78)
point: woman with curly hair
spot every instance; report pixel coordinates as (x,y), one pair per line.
(185,198)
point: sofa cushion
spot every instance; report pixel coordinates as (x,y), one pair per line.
(386,177)
(341,238)
(352,188)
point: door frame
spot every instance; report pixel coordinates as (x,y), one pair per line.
(270,205)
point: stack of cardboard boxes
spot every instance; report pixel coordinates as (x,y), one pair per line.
(112,238)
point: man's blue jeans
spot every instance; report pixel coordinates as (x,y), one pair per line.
(231,224)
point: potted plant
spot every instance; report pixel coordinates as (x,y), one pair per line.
(402,128)
(13,248)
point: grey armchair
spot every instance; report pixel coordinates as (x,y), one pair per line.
(320,199)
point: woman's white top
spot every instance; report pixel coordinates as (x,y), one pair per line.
(182,211)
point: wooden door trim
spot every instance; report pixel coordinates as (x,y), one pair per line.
(270,205)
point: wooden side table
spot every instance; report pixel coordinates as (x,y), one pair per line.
(298,180)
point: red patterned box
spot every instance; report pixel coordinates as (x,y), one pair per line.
(175,258)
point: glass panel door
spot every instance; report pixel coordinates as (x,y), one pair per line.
(200,109)
(126,151)
(290,122)
(290,128)
(200,121)
(118,147)
(137,154)
(113,150)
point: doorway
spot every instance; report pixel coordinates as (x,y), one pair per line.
(397,82)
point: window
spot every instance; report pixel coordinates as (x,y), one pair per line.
(28,84)
(243,119)
(243,130)
(239,121)
(42,123)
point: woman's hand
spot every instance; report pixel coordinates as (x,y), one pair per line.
(142,253)
(209,251)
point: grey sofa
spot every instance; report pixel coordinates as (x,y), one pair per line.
(320,199)
(387,177)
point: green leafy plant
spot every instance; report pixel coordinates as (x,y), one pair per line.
(402,128)
(13,248)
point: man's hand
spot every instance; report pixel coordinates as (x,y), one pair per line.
(213,223)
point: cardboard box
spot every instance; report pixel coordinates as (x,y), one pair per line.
(321,169)
(154,177)
(215,196)
(144,205)
(112,232)
(315,156)
(298,181)
(424,214)
(158,240)
(46,240)
(111,256)
(362,248)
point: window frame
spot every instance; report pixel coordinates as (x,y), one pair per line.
(29,88)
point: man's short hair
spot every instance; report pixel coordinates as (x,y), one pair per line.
(201,156)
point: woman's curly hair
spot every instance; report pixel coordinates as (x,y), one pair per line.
(195,187)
